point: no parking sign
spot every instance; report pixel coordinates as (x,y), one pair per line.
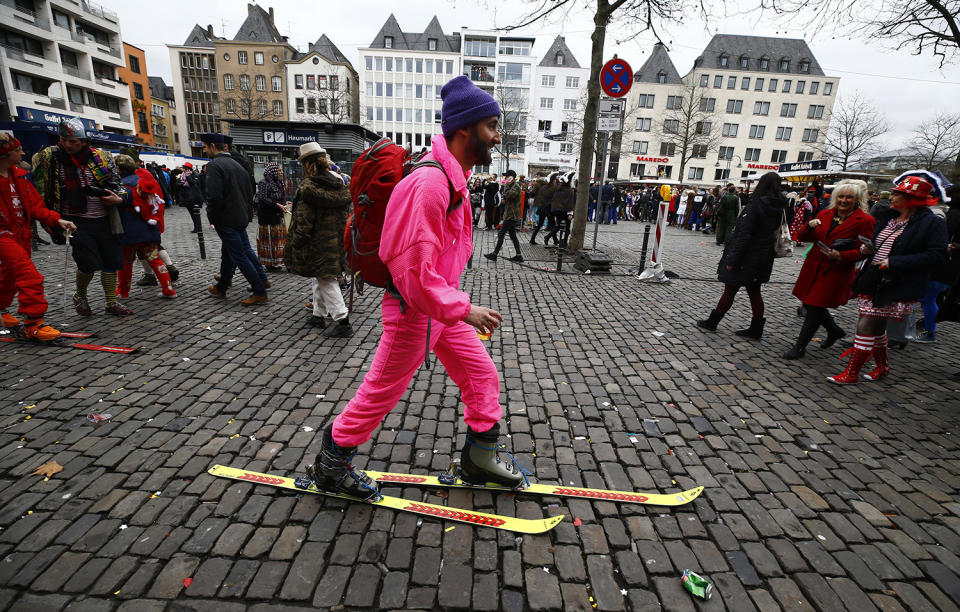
(616,77)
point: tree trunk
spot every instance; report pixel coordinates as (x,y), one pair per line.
(600,20)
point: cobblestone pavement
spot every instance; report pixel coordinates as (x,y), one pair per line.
(817,497)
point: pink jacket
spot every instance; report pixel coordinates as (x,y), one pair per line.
(424,248)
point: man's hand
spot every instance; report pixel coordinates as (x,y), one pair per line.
(484,319)
(111,199)
(67,225)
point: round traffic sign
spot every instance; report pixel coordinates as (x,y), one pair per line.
(616,77)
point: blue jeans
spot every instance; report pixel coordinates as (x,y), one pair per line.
(612,214)
(237,253)
(929,304)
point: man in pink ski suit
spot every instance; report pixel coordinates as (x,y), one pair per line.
(426,244)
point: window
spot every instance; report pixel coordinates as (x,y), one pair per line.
(703,127)
(368,63)
(801,85)
(388,92)
(724,61)
(788,110)
(778,156)
(773,84)
(645,101)
(827,89)
(708,104)
(704,80)
(369,113)
(573,81)
(566,147)
(805,156)
(725,153)
(745,83)
(419,91)
(312,106)
(744,61)
(544,126)
(261,82)
(61,19)
(761,108)
(379,113)
(718,81)
(276,83)
(699,150)
(721,174)
(640,147)
(559,59)
(784,133)
(409,64)
(664,171)
(730,129)
(258,58)
(242,57)
(133,63)
(674,102)
(695,174)
(388,66)
(232,105)
(515,47)
(138,91)
(378,60)
(546,103)
(262,106)
(784,65)
(811,135)
(429,66)
(804,67)
(731,82)
(432,44)
(637,169)
(298,81)
(388,42)
(569,104)
(752,155)
(757,131)
(815,111)
(758,86)
(143,126)
(389,113)
(735,106)
(643,125)
(514,73)
(547,80)
(671,126)
(245,82)
(787,83)
(311,81)
(668,148)
(543,147)
(814,87)
(334,82)
(764,63)
(408,90)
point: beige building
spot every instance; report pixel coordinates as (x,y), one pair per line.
(163,116)
(252,81)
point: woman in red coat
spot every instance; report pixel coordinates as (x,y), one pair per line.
(828,273)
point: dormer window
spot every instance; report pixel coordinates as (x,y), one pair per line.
(784,65)
(661,77)
(724,61)
(744,61)
(388,42)
(764,63)
(432,44)
(559,59)
(805,66)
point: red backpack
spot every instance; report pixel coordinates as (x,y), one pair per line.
(375,173)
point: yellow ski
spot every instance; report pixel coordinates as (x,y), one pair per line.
(454,482)
(481,519)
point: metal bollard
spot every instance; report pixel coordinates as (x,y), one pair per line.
(564,232)
(643,251)
(199,222)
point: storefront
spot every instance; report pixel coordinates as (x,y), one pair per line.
(262,142)
(37,129)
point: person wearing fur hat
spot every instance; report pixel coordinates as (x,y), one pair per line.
(20,204)
(561,204)
(426,247)
(909,241)
(511,217)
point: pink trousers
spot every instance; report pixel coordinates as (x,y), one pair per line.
(401,351)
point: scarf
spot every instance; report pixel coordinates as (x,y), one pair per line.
(75,179)
(271,189)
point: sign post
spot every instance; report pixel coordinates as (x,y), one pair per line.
(616,77)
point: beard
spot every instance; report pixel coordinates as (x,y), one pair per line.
(479,148)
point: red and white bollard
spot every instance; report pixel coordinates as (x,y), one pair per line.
(654,273)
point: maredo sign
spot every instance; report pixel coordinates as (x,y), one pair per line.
(656,160)
(763,166)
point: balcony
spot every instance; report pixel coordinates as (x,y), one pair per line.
(16,53)
(25,15)
(124,117)
(98,11)
(75,71)
(105,81)
(53,103)
(76,107)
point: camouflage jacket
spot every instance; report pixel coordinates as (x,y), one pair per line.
(511,195)
(314,245)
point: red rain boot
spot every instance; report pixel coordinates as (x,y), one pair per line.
(851,375)
(883,364)
(124,276)
(163,275)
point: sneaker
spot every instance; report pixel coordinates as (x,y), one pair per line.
(927,337)
(253,300)
(117,309)
(36,329)
(212,290)
(147,280)
(82,306)
(316,321)
(516,258)
(491,256)
(168,296)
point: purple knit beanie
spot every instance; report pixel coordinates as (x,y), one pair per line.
(465,104)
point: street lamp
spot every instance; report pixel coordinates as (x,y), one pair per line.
(730,159)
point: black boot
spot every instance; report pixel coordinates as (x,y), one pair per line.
(480,462)
(755,331)
(331,471)
(710,324)
(795,353)
(342,329)
(834,332)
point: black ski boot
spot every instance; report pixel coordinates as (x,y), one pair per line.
(755,331)
(480,462)
(331,471)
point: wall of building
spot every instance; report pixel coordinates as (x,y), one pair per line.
(312,94)
(134,73)
(195,94)
(566,89)
(266,96)
(163,121)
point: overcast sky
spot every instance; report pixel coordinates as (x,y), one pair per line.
(907,88)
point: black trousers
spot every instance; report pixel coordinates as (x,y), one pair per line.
(562,226)
(543,214)
(508,227)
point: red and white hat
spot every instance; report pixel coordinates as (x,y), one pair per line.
(923,187)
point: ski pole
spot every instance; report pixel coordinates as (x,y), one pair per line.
(66,264)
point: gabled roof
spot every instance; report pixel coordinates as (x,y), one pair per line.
(658,62)
(258,27)
(159,89)
(416,41)
(550,57)
(201,37)
(325,47)
(735,46)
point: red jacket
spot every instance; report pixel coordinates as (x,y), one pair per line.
(822,281)
(31,205)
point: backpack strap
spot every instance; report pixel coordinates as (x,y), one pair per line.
(455,199)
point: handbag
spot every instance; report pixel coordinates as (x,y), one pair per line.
(784,244)
(904,330)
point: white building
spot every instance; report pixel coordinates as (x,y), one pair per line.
(771,104)
(559,92)
(322,85)
(60,58)
(401,75)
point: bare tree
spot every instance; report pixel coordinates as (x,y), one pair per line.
(639,16)
(514,103)
(245,100)
(691,127)
(855,130)
(332,105)
(925,26)
(936,143)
